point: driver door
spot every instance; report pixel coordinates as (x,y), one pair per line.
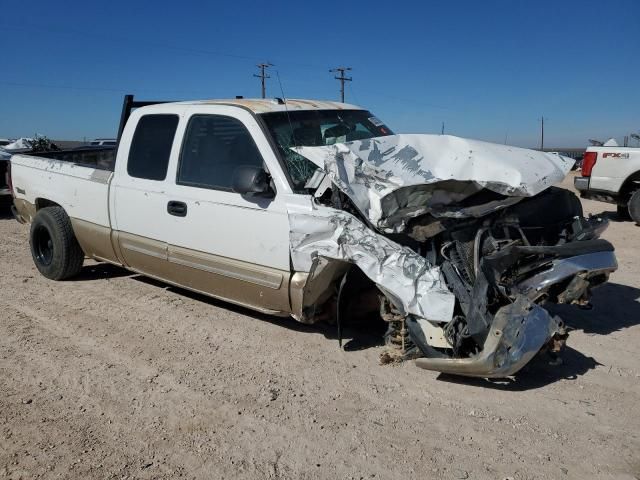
(220,242)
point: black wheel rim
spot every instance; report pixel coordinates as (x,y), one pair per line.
(43,245)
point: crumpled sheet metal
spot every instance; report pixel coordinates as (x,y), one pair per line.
(399,176)
(411,283)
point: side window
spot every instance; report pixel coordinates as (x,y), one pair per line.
(214,146)
(151,146)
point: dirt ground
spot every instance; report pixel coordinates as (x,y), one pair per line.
(112,375)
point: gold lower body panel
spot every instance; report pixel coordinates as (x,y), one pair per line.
(254,286)
(258,287)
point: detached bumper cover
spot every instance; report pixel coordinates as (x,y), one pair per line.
(518,332)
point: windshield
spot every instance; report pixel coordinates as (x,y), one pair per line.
(315,128)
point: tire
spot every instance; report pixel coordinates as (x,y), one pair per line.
(634,207)
(54,248)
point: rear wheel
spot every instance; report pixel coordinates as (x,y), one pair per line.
(634,207)
(54,247)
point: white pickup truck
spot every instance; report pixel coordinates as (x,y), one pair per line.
(612,174)
(317,210)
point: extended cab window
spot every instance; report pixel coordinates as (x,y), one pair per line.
(214,146)
(151,146)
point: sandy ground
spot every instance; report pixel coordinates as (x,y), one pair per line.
(116,376)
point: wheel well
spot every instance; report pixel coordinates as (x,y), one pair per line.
(630,185)
(362,297)
(43,202)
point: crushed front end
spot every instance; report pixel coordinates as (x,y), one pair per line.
(467,242)
(504,269)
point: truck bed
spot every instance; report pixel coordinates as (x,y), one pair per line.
(83,191)
(100,157)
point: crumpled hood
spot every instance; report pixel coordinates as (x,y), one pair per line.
(396,177)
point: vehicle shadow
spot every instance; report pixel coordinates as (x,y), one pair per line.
(357,335)
(615,307)
(613,216)
(100,271)
(5,208)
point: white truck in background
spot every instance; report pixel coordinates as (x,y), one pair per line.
(612,174)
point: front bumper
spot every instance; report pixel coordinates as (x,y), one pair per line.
(519,330)
(517,334)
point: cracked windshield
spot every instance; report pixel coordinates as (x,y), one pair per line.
(314,128)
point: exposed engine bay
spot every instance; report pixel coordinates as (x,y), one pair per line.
(503,269)
(465,265)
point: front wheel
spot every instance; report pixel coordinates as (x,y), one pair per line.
(54,247)
(634,207)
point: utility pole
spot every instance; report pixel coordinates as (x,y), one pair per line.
(542,134)
(442,132)
(342,79)
(263,76)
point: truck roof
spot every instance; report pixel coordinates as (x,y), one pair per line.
(265,105)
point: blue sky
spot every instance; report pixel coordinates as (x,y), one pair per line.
(488,69)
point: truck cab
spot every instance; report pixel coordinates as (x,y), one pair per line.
(200,193)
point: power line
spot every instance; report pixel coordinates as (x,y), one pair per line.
(123,90)
(131,40)
(197,51)
(263,76)
(64,87)
(414,101)
(353,94)
(342,79)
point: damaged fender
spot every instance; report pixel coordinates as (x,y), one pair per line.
(411,283)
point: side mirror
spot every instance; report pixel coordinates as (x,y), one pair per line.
(251,180)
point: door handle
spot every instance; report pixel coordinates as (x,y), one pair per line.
(177,209)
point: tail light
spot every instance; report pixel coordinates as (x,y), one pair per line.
(8,179)
(588,161)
